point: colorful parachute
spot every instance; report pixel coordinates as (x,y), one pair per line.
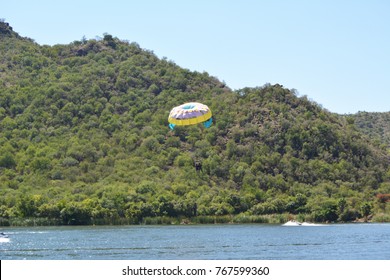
(189,114)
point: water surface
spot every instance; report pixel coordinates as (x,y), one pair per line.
(244,242)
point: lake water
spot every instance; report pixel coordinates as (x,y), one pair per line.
(210,242)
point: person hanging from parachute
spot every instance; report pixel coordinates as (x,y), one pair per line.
(190,114)
(198,166)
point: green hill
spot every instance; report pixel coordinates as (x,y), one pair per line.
(374,125)
(84,139)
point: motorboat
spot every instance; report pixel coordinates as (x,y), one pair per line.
(309,224)
(293,223)
(4,237)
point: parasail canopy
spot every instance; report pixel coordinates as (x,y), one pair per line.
(190,114)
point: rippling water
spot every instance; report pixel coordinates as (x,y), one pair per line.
(253,241)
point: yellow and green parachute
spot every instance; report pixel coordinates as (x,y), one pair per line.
(189,114)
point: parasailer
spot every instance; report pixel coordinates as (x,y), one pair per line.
(190,114)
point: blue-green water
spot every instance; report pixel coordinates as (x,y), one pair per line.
(244,242)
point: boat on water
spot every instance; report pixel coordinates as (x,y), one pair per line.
(293,223)
(4,237)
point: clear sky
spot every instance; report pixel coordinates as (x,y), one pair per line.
(337,52)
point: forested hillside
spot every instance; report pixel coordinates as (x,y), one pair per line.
(375,125)
(84,139)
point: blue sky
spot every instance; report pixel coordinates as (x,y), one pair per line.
(337,52)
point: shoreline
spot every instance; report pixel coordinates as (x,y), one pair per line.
(198,220)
